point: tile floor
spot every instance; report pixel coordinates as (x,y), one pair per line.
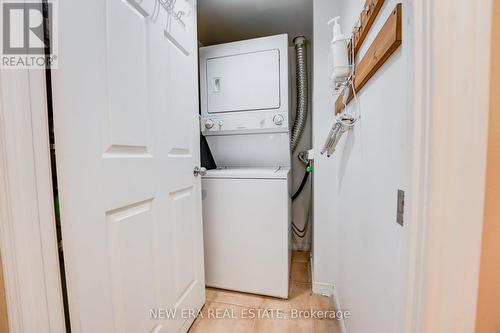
(275,313)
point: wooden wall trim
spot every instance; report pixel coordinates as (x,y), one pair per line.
(487,318)
(4,318)
(385,44)
(368,15)
(446,203)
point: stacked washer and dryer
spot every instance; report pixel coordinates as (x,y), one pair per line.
(245,117)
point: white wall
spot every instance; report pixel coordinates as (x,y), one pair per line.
(324,214)
(357,243)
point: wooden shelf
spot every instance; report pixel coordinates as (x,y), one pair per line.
(387,41)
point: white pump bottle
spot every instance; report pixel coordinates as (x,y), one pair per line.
(339,55)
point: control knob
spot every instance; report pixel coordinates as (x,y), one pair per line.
(209,124)
(278,120)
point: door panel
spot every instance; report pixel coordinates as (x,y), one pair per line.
(130,238)
(127,59)
(127,136)
(182,208)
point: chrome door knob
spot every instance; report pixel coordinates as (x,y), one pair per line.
(197,171)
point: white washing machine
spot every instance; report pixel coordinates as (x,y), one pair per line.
(246,201)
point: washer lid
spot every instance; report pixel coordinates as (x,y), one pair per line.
(248,173)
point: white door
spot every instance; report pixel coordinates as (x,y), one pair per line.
(127,140)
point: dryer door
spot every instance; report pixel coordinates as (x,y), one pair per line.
(243,82)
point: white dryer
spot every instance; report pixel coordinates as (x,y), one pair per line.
(244,88)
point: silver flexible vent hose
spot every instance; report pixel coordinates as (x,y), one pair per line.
(302,99)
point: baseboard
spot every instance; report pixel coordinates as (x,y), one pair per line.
(338,307)
(322,288)
(330,290)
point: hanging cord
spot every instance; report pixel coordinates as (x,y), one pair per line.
(347,118)
(301,233)
(303,182)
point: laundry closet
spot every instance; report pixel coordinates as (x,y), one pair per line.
(250,129)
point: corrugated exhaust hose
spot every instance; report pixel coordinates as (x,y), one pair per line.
(302,98)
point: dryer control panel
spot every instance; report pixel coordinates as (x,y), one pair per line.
(245,123)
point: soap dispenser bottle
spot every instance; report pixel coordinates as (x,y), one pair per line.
(338,55)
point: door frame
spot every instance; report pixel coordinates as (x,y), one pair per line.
(451,78)
(440,236)
(28,240)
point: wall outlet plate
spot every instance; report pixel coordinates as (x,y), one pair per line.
(310,154)
(400,208)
